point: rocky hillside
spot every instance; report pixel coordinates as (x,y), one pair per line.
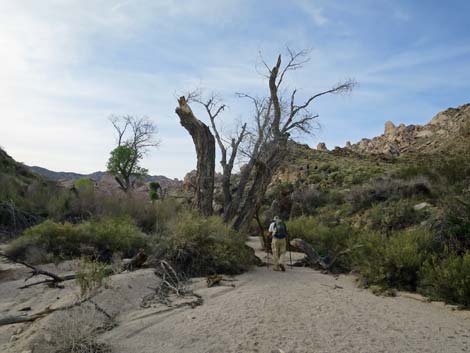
(448,129)
(398,148)
(9,166)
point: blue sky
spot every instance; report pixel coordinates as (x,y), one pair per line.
(68,65)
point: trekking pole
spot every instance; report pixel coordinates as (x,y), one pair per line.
(290,250)
(267,254)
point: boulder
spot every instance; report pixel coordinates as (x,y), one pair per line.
(322,147)
(421,206)
(390,128)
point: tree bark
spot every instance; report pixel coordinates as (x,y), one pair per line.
(204,143)
(263,172)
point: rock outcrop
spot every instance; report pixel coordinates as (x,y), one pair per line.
(444,128)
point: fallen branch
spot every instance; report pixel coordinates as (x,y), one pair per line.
(54,279)
(312,258)
(50,282)
(171,283)
(10,320)
(214,280)
(137,261)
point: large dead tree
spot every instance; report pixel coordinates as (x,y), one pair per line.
(204,143)
(228,150)
(277,117)
(265,144)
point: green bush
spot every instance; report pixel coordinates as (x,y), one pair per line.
(453,227)
(110,235)
(200,246)
(384,189)
(390,216)
(395,261)
(165,212)
(448,279)
(307,199)
(91,276)
(50,240)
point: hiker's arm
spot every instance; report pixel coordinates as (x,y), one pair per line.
(271,229)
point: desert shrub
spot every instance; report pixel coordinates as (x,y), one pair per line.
(200,246)
(154,190)
(389,216)
(99,238)
(50,239)
(166,211)
(454,169)
(447,279)
(83,199)
(327,240)
(335,197)
(395,261)
(307,199)
(110,235)
(446,170)
(10,188)
(383,189)
(91,275)
(77,330)
(280,195)
(453,226)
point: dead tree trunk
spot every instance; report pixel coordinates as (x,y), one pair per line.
(263,174)
(204,143)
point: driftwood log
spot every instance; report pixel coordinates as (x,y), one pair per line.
(313,259)
(137,261)
(12,319)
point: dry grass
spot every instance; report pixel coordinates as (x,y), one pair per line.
(76,331)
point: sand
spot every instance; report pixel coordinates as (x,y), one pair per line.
(298,311)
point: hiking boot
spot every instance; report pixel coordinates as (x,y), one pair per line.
(283,269)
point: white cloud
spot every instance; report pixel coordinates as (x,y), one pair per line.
(314,11)
(56,105)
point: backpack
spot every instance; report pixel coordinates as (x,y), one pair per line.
(280,230)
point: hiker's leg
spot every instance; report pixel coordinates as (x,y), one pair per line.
(262,242)
(274,247)
(282,251)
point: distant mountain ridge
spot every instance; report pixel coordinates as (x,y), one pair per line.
(164,181)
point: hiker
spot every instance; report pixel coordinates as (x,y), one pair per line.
(278,232)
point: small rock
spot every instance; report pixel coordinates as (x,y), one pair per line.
(13,338)
(18,331)
(421,206)
(47,338)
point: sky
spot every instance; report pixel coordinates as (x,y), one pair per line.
(66,66)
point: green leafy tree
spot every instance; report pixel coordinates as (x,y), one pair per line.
(124,165)
(135,137)
(155,189)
